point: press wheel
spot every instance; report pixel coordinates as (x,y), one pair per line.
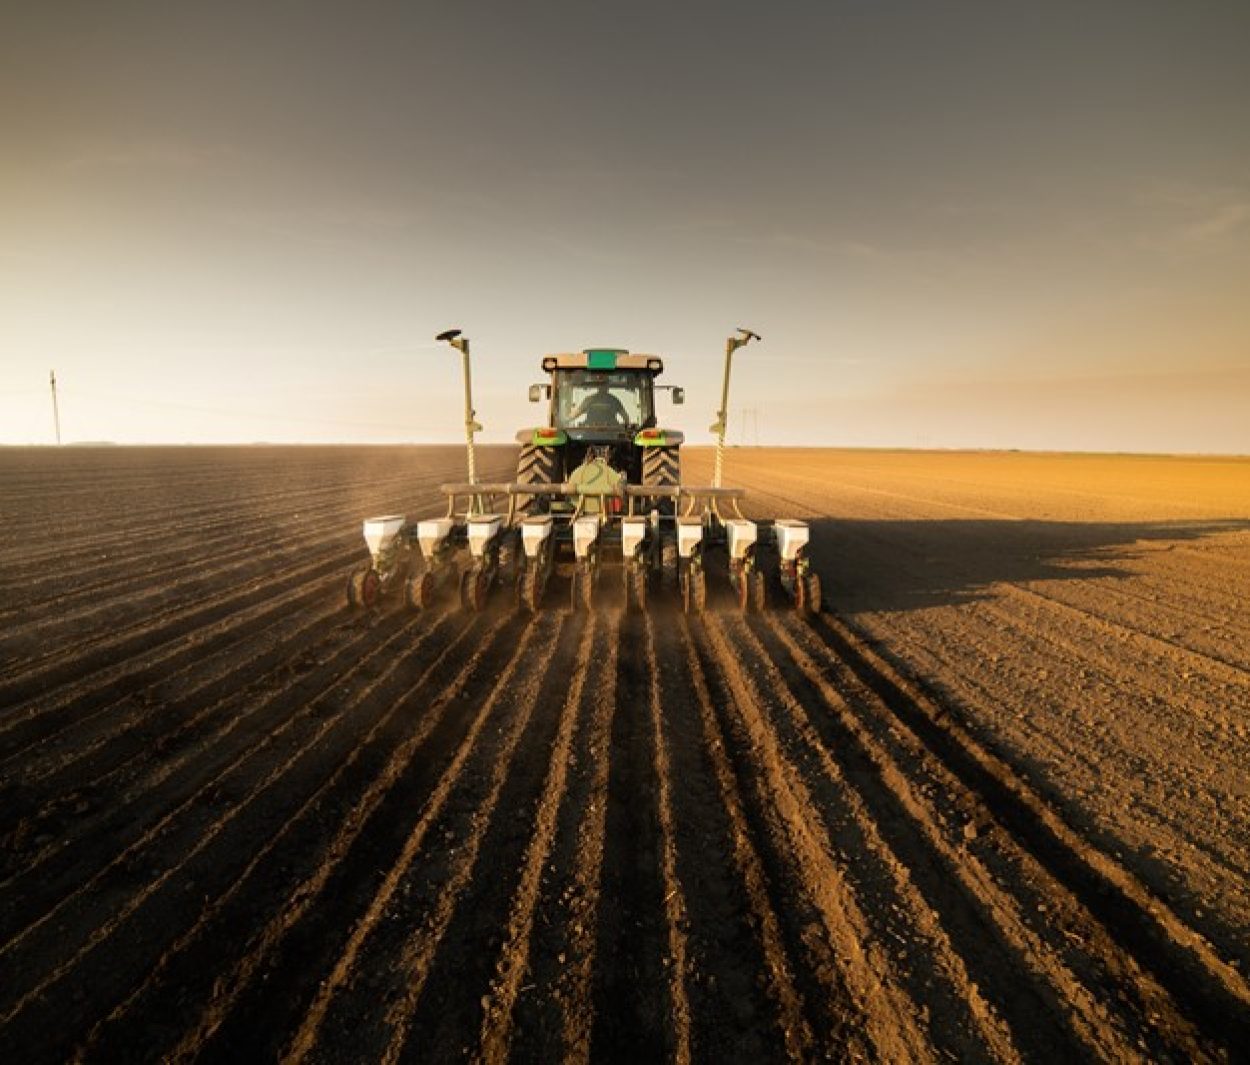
(742,590)
(364,588)
(693,590)
(807,598)
(419,590)
(636,588)
(530,588)
(756,591)
(474,586)
(581,590)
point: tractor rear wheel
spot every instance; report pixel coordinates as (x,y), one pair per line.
(536,465)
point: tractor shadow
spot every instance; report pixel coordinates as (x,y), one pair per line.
(884,566)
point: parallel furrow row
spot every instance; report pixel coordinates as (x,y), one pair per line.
(105,650)
(296,895)
(79,595)
(1172,986)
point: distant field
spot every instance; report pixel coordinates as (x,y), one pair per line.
(992,803)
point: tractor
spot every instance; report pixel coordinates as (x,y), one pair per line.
(601,406)
(598,486)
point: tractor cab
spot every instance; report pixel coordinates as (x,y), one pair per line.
(595,402)
(601,395)
(601,404)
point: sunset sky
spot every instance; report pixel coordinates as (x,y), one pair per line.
(955,224)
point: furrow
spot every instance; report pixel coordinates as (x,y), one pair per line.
(238,541)
(1097,620)
(925,897)
(1068,734)
(632,990)
(138,535)
(447,965)
(43,638)
(306,1035)
(39,895)
(44,716)
(58,802)
(286,880)
(89,743)
(495,1039)
(99,652)
(100,918)
(555,1024)
(138,541)
(797,1031)
(1152,941)
(871,1015)
(734,1015)
(674,902)
(196,771)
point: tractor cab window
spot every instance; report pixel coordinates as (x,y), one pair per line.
(591,399)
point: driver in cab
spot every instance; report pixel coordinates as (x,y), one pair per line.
(600,408)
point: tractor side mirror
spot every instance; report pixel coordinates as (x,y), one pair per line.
(679,395)
(536,393)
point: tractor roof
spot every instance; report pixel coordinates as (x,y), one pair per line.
(603,359)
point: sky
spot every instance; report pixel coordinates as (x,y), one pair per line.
(994,224)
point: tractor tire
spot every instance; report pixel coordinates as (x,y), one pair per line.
(536,465)
(661,467)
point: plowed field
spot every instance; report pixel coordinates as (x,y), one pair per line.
(993,804)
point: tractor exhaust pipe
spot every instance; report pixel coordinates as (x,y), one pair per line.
(745,336)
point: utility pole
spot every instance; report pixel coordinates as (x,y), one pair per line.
(56,414)
(751,419)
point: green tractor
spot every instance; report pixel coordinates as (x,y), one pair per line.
(601,423)
(598,485)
